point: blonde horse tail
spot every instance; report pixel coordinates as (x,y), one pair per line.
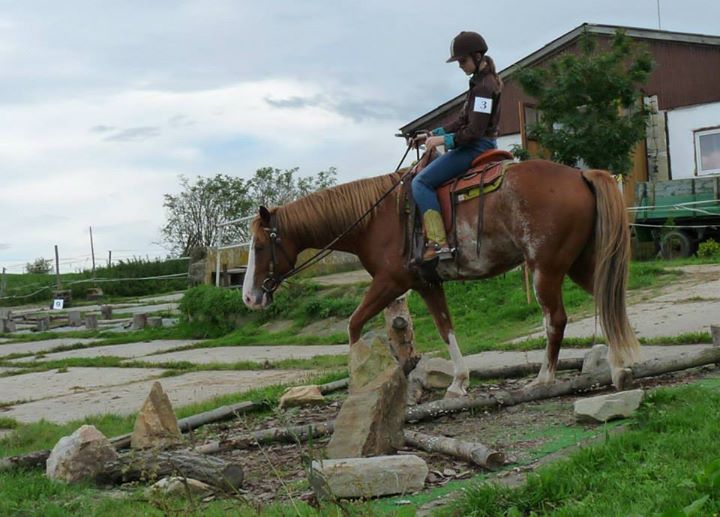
(612,261)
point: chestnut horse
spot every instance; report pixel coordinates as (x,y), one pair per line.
(560,220)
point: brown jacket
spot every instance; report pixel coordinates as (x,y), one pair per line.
(479,115)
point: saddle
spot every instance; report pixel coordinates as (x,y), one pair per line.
(484,176)
(487,170)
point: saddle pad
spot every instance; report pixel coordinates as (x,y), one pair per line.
(468,187)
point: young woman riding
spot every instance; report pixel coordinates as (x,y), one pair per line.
(471,133)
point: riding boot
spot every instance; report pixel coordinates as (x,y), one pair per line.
(436,245)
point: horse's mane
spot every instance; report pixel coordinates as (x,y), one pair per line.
(321,216)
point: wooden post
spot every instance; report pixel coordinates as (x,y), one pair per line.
(527,283)
(3,283)
(57,269)
(109,259)
(399,327)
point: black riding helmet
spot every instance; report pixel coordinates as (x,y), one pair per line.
(466,44)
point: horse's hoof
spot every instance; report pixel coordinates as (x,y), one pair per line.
(455,393)
(624,380)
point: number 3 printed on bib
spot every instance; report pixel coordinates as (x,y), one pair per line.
(482,105)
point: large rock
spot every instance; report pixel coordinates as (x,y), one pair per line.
(156,424)
(432,373)
(595,361)
(607,407)
(368,357)
(370,422)
(368,477)
(80,456)
(302,396)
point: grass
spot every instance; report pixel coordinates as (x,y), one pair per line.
(662,465)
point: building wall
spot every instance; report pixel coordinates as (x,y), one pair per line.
(506,142)
(681,125)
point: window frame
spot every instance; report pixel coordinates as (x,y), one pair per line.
(698,151)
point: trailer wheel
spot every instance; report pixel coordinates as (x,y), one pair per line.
(676,244)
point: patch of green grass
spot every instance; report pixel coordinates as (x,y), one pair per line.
(8,423)
(651,469)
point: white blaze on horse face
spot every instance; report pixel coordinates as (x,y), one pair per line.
(249,290)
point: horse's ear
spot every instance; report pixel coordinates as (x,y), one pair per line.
(264,215)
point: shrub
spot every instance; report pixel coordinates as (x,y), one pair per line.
(710,249)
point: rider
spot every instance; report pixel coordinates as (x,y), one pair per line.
(470,134)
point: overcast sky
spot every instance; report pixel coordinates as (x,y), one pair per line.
(104,103)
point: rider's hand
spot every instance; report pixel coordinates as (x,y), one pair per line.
(433,142)
(419,140)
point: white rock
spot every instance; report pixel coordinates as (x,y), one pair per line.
(368,477)
(180,486)
(595,360)
(432,373)
(80,456)
(607,407)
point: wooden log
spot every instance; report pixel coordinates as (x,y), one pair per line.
(678,362)
(292,434)
(522,370)
(137,465)
(334,386)
(401,337)
(472,452)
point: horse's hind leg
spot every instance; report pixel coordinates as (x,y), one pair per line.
(434,297)
(548,291)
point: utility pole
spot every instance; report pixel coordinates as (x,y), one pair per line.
(658,12)
(57,269)
(92,253)
(109,258)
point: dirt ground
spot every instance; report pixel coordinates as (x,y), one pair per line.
(524,433)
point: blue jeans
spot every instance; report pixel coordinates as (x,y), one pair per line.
(448,166)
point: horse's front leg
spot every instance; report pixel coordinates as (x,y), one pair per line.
(434,297)
(381,292)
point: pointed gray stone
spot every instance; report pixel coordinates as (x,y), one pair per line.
(595,360)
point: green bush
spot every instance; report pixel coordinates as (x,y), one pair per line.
(214,309)
(710,249)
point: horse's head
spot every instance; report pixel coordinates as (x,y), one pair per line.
(270,257)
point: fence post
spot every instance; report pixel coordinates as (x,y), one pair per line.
(3,284)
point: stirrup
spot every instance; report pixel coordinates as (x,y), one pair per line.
(434,251)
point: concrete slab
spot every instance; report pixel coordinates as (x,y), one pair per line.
(128,350)
(494,359)
(234,354)
(50,384)
(33,347)
(124,400)
(707,291)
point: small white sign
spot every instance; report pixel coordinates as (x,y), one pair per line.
(482,105)
(58,304)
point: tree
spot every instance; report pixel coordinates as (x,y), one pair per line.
(590,103)
(194,215)
(40,266)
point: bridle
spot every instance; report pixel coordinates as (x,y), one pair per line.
(273,280)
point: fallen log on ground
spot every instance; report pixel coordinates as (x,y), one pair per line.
(471,452)
(148,465)
(292,434)
(522,370)
(582,382)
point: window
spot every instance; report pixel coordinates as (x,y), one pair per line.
(707,151)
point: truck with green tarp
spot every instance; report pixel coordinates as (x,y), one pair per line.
(677,215)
